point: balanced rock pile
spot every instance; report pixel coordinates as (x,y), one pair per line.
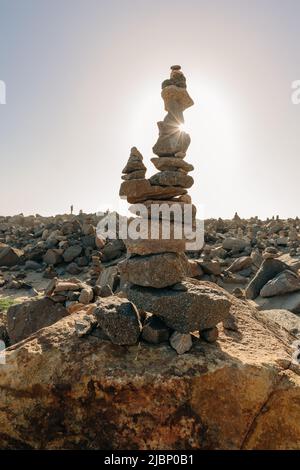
(156,267)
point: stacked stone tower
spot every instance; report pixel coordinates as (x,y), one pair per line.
(160,261)
(155,273)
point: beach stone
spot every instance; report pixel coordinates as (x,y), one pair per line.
(85,325)
(135,175)
(32,265)
(234,244)
(170,143)
(181,342)
(289,302)
(176,95)
(171,164)
(168,210)
(86,295)
(71,253)
(172,178)
(53,256)
(201,306)
(154,330)
(158,270)
(210,335)
(141,190)
(285,282)
(28,317)
(240,263)
(9,256)
(119,319)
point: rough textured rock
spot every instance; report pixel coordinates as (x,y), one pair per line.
(268,270)
(154,330)
(283,283)
(213,397)
(197,306)
(9,256)
(161,270)
(28,317)
(119,319)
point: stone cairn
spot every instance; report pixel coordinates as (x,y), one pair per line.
(166,263)
(156,267)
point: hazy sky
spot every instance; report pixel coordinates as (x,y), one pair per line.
(83,86)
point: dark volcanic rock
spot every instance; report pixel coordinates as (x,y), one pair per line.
(155,331)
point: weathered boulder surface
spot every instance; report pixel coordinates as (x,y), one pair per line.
(193,306)
(59,391)
(141,189)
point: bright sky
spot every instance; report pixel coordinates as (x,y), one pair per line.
(83,86)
